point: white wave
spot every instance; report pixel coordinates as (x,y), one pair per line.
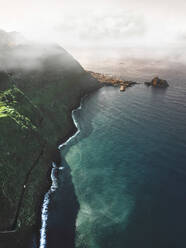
(44,217)
(54,186)
(76,125)
(44,212)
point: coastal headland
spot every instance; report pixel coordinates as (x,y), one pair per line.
(36,103)
(112,81)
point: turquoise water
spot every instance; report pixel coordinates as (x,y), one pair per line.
(128,166)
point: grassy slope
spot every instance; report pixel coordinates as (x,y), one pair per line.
(20,144)
(35,114)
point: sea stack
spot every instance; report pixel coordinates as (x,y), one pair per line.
(157,82)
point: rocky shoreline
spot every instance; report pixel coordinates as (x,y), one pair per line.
(112,81)
(106,80)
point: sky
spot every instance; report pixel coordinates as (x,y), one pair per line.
(97,23)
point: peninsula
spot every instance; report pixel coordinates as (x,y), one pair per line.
(111,81)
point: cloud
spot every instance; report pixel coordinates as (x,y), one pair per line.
(98,22)
(101,26)
(7,39)
(18,53)
(182,35)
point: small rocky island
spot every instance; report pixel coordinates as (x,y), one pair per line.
(157,82)
(111,81)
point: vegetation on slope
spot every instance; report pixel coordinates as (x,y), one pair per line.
(17,133)
(35,116)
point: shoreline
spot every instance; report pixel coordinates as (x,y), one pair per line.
(54,186)
(73,132)
(108,80)
(57,160)
(53,155)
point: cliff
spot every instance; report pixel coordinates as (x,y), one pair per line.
(36,100)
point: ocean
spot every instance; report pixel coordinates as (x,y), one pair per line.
(127,166)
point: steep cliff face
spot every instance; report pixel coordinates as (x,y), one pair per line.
(35,117)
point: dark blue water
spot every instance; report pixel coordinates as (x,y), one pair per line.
(128,167)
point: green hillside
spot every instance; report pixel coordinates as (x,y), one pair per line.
(35,117)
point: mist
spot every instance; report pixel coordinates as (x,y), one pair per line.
(93,30)
(96,23)
(18,53)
